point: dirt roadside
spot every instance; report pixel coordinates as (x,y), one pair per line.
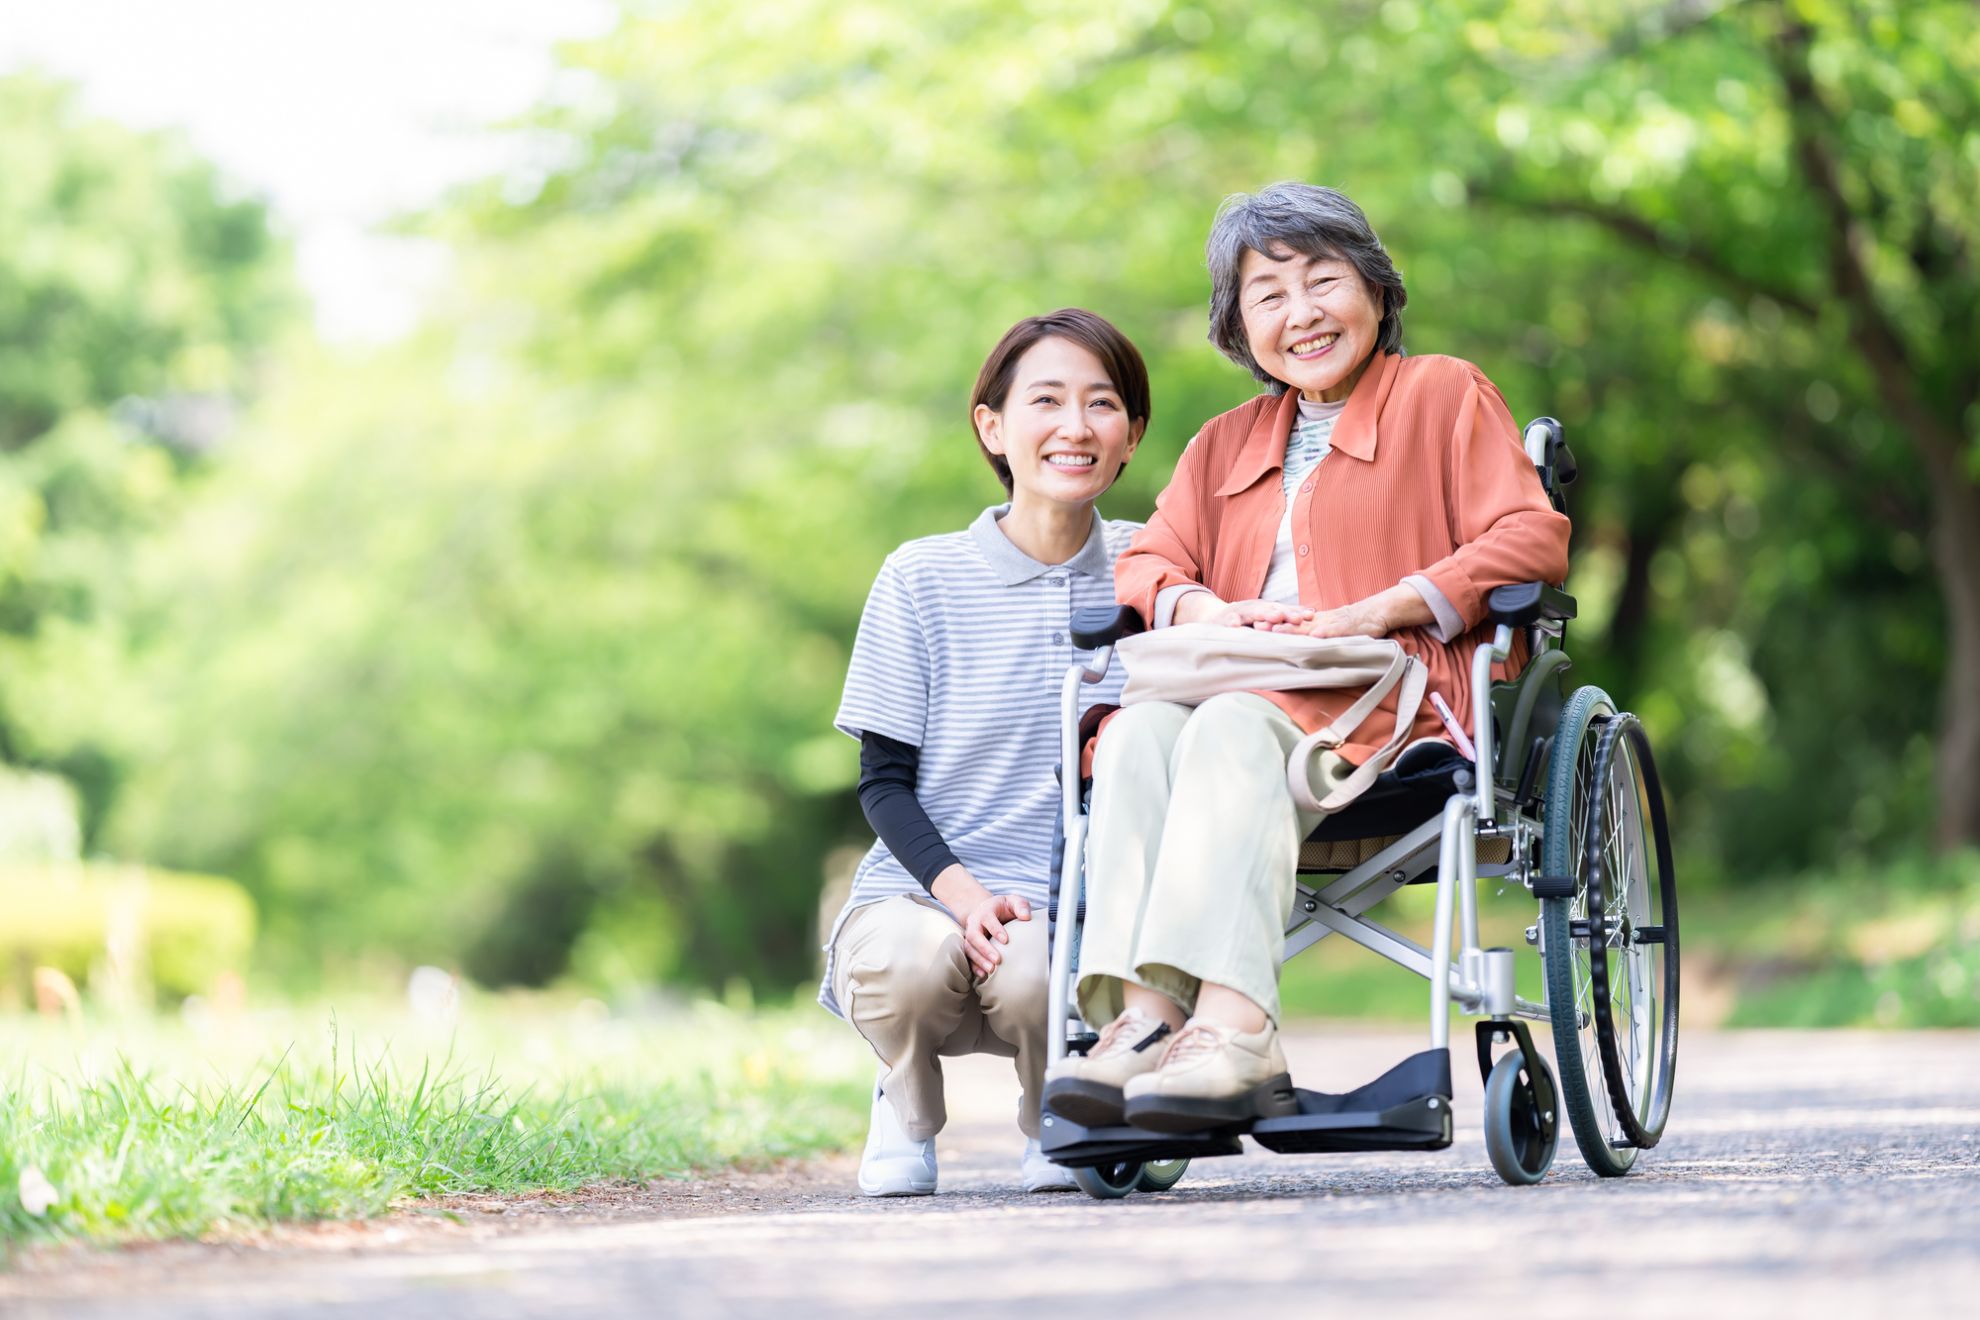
(1806,1173)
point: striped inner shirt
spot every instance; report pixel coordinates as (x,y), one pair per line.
(1311,440)
(961,652)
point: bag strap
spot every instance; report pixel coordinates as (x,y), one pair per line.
(1414,679)
(1350,719)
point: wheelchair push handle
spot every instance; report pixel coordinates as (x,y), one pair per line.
(1103,625)
(1546,445)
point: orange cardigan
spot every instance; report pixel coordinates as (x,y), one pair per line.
(1427,475)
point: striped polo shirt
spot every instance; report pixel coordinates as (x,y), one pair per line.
(961,651)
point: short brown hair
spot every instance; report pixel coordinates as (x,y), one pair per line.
(1096,334)
(1280,219)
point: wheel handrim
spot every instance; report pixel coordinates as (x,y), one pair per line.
(1632,985)
(1588,1045)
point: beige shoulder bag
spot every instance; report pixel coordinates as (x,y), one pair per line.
(1193,662)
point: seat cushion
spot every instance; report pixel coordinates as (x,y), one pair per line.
(1401,798)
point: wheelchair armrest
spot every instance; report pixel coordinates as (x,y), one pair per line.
(1103,625)
(1523,604)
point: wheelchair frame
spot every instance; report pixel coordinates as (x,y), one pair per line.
(1409,1107)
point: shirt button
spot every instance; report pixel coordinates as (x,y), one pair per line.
(1058,639)
(1302,550)
(1058,582)
(1307,489)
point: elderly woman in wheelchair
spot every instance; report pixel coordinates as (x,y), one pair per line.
(1363,494)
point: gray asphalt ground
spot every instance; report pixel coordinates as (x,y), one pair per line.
(1803,1174)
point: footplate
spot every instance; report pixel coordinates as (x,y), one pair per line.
(1067,1143)
(1406,1108)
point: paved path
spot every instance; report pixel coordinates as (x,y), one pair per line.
(1803,1174)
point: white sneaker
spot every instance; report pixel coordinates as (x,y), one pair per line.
(894,1164)
(1041,1175)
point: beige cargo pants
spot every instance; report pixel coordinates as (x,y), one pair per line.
(901,977)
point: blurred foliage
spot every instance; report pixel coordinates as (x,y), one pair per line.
(1890,944)
(135,291)
(124,930)
(1895,945)
(515,646)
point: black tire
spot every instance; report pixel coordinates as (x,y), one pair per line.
(1570,994)
(1109,1182)
(1160,1175)
(1521,1135)
(1633,934)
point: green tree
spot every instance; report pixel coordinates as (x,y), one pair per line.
(1817,165)
(519,645)
(135,287)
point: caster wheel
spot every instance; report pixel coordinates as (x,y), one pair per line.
(1108,1182)
(1520,1136)
(1160,1175)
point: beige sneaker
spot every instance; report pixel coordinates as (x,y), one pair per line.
(1087,1088)
(1212,1076)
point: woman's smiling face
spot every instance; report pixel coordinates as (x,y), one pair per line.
(1062,428)
(1311,322)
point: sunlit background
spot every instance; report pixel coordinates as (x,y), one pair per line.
(444,447)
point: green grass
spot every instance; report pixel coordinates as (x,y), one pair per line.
(155,1128)
(1892,945)
(1338,979)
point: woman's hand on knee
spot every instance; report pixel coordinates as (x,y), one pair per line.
(983,930)
(981,914)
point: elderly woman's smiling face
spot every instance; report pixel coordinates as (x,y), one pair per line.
(1311,322)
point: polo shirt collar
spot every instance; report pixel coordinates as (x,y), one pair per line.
(1012,565)
(1264,448)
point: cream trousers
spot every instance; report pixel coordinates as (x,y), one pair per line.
(904,982)
(1192,847)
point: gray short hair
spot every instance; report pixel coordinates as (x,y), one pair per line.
(1302,218)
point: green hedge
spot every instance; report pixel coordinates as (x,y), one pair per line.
(184,930)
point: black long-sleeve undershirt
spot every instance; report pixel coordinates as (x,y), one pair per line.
(888,772)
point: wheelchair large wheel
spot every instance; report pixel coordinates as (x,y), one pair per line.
(1109,1182)
(1633,934)
(1160,1175)
(1610,945)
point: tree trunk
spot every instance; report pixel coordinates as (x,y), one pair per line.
(1937,432)
(1956,554)
(1654,510)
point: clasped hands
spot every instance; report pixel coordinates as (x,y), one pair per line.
(1364,618)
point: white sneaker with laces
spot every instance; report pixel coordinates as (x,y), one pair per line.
(894,1164)
(1041,1175)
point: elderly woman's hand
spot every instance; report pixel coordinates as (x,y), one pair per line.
(1264,615)
(1377,616)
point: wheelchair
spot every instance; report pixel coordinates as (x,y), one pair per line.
(1562,800)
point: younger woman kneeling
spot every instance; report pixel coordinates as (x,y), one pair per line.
(953,692)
